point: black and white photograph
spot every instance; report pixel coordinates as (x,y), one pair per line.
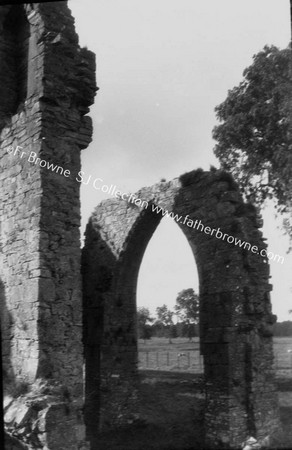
(146,225)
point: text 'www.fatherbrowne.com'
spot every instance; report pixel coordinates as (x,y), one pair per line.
(217,233)
(97,184)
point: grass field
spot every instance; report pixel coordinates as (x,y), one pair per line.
(171,415)
(184,356)
(283,356)
(181,355)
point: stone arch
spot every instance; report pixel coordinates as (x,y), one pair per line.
(235,312)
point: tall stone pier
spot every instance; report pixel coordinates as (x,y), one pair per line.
(47,83)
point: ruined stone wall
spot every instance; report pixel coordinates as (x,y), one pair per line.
(46,87)
(235,308)
(48,84)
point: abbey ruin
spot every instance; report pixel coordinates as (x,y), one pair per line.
(52,322)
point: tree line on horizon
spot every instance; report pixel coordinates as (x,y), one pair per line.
(186,310)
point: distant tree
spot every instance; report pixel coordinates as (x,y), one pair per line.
(187,310)
(173,331)
(144,320)
(180,329)
(164,316)
(254,138)
(158,329)
(191,331)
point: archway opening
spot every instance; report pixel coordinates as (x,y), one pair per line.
(169,360)
(112,359)
(232,285)
(169,340)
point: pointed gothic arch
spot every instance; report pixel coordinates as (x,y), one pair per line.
(235,308)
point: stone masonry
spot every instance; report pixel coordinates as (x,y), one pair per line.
(235,309)
(47,83)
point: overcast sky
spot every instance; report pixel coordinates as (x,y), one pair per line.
(162,67)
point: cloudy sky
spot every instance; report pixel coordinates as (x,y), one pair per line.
(162,67)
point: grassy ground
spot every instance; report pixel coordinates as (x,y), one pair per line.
(180,356)
(184,356)
(181,344)
(283,356)
(171,416)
